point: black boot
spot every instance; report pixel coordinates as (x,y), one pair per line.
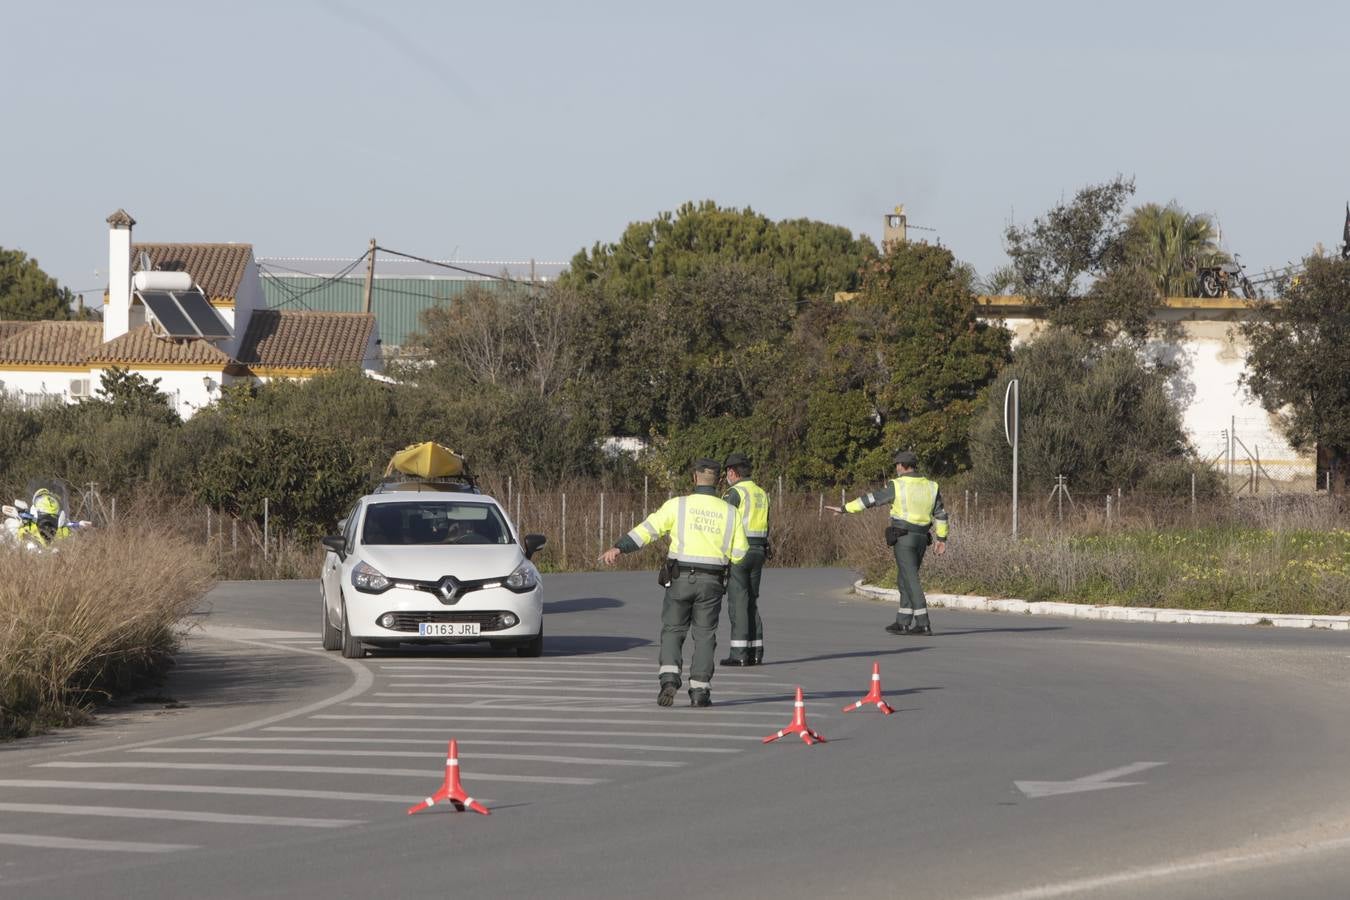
(735,660)
(897,627)
(667,695)
(757,659)
(700,697)
(925,628)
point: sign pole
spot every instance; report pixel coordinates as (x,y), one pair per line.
(1011,429)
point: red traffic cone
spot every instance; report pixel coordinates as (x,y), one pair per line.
(798,726)
(451,790)
(873,695)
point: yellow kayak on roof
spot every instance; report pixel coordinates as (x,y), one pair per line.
(427,460)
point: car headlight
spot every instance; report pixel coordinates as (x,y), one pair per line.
(523,579)
(369,579)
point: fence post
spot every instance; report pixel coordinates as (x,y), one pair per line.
(602,522)
(645,509)
(509,487)
(1108,509)
(564,530)
(820,514)
(234,535)
(977,506)
(780,491)
(266,526)
(112,517)
(1192,496)
(208,526)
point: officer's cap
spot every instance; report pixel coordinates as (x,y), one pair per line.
(707,465)
(905,458)
(737,459)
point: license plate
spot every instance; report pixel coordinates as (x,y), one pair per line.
(448,629)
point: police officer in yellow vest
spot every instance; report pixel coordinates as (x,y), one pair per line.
(752,502)
(706,535)
(916,514)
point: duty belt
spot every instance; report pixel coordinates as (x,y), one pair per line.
(910,526)
(683,568)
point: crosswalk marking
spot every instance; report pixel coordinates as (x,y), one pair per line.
(512,742)
(173,815)
(563,704)
(315,770)
(229,790)
(440,730)
(416,754)
(705,718)
(53,842)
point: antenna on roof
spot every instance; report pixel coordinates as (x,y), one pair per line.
(144,261)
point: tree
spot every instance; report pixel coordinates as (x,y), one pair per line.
(1299,361)
(127,393)
(911,350)
(27,292)
(1169,244)
(1095,414)
(1072,262)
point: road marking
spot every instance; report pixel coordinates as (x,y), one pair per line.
(173,815)
(645,672)
(313,770)
(563,704)
(470,743)
(231,790)
(485,691)
(703,715)
(440,730)
(511,679)
(414,754)
(51,842)
(1099,782)
(490,685)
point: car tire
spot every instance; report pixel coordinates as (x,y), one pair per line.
(534,646)
(351,647)
(332,637)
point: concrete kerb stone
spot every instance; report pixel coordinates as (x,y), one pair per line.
(1111,613)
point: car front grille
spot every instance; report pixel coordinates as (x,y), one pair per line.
(408,621)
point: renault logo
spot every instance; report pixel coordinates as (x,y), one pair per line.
(448,589)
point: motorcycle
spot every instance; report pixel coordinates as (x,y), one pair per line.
(30,530)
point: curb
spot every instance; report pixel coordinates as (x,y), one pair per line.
(1112,613)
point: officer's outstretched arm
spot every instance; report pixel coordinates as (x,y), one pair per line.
(648,530)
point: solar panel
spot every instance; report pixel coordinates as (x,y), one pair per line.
(207,320)
(164,308)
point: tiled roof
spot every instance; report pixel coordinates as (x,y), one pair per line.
(51,343)
(217,268)
(11,327)
(140,346)
(306,340)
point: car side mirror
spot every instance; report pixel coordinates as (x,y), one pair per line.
(337,543)
(532,544)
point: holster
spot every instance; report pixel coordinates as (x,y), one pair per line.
(768,551)
(930,538)
(893,535)
(666,574)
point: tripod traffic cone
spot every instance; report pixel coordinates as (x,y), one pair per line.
(451,790)
(798,726)
(873,695)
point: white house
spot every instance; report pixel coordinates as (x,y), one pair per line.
(191,315)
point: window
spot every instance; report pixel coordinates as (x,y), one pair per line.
(425,522)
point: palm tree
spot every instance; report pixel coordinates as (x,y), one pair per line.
(1170,245)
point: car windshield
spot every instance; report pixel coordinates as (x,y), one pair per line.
(423,522)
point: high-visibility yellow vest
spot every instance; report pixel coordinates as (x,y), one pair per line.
(754,508)
(704,530)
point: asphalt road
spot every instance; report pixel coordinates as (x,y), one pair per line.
(286,771)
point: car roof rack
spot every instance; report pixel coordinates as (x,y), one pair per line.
(462,484)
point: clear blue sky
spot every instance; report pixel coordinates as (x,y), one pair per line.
(510,130)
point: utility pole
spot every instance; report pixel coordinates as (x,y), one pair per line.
(370,274)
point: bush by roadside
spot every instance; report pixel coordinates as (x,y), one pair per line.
(79,625)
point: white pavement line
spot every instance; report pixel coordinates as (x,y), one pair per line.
(1114,613)
(363,680)
(315,770)
(481,690)
(569,674)
(230,790)
(566,703)
(51,842)
(702,715)
(1184,868)
(516,665)
(535,679)
(512,742)
(494,684)
(441,730)
(173,815)
(416,754)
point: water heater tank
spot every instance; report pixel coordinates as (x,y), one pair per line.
(162,281)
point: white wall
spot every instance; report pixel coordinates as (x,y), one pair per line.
(32,387)
(247,298)
(1212,357)
(118,308)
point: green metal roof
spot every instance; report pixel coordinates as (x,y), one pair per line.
(397,302)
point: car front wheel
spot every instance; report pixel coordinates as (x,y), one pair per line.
(332,637)
(351,647)
(534,646)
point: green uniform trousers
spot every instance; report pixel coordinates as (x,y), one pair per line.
(909,551)
(747,628)
(693,601)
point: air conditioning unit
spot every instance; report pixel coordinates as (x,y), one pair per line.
(79,388)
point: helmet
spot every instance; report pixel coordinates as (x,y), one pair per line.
(45,504)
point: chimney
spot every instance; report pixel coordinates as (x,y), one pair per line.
(117,314)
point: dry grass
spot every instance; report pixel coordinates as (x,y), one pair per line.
(81,624)
(1280,555)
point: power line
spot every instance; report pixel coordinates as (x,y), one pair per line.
(296,297)
(446,265)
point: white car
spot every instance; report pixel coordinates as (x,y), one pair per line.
(429,567)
